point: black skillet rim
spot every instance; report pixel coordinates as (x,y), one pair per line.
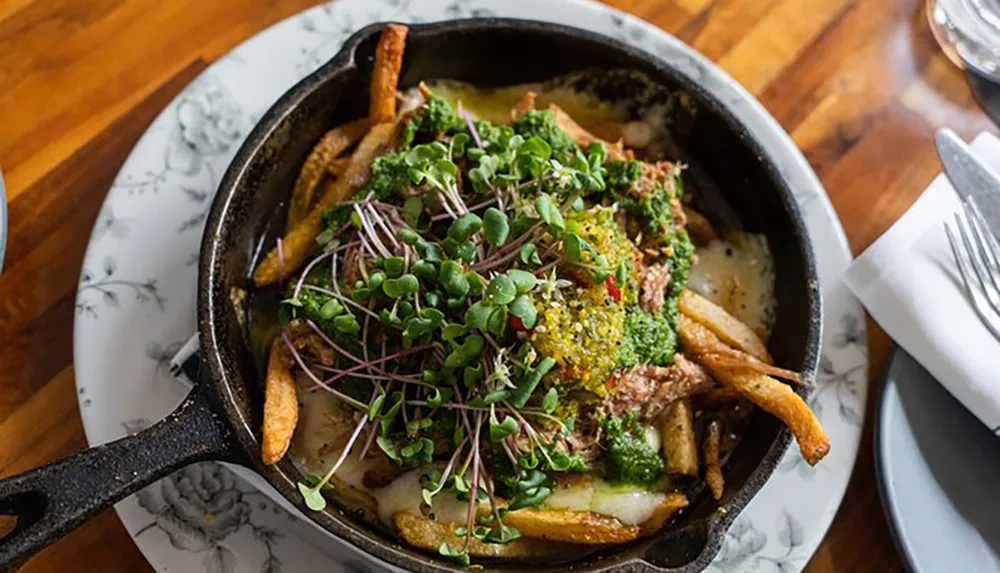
(340,525)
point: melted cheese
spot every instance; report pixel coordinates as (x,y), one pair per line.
(495,105)
(629,505)
(738,275)
(403,496)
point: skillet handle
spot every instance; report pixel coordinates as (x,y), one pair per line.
(50,501)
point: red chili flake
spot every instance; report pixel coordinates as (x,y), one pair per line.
(613,291)
(516,323)
(612,382)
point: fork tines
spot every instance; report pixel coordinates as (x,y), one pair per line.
(978,259)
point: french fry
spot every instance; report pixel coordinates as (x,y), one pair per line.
(525,104)
(298,243)
(581,136)
(338,166)
(580,527)
(713,470)
(313,170)
(724,325)
(663,513)
(429,534)
(385,77)
(281,406)
(679,446)
(773,396)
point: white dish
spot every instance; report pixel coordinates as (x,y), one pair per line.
(136,301)
(937,467)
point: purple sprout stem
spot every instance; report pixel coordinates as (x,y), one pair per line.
(472,127)
(510,454)
(474,488)
(449,406)
(371,233)
(477,206)
(446,205)
(343,454)
(393,356)
(474,132)
(302,365)
(542,270)
(381,224)
(508,251)
(309,267)
(368,442)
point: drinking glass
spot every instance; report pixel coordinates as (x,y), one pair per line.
(969,33)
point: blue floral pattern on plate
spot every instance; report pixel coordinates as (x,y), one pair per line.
(136,300)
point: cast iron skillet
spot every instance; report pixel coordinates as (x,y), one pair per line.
(220,419)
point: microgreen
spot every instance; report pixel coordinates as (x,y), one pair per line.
(496,226)
(432,285)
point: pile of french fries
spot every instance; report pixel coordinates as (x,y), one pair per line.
(728,349)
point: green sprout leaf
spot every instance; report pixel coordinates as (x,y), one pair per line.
(417,327)
(330,309)
(529,254)
(520,394)
(496,226)
(500,430)
(550,401)
(497,322)
(313,497)
(464,227)
(524,308)
(530,500)
(523,280)
(472,375)
(549,211)
(453,279)
(376,407)
(466,353)
(501,290)
(425,270)
(408,236)
(478,315)
(394,267)
(347,324)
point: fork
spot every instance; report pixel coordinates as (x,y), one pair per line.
(978,259)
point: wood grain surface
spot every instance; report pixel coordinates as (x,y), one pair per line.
(859,84)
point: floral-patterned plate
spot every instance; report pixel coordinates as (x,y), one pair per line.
(136,302)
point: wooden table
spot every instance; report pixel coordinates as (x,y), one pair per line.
(859,84)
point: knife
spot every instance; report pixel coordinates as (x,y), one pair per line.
(970,176)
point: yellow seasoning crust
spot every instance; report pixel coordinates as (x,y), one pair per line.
(582,334)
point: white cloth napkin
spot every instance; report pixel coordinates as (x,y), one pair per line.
(910,284)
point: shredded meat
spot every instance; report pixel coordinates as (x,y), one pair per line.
(305,338)
(677,215)
(353,259)
(584,440)
(650,389)
(653,281)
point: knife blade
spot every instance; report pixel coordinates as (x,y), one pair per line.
(970,176)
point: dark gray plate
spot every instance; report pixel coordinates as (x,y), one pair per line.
(939,474)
